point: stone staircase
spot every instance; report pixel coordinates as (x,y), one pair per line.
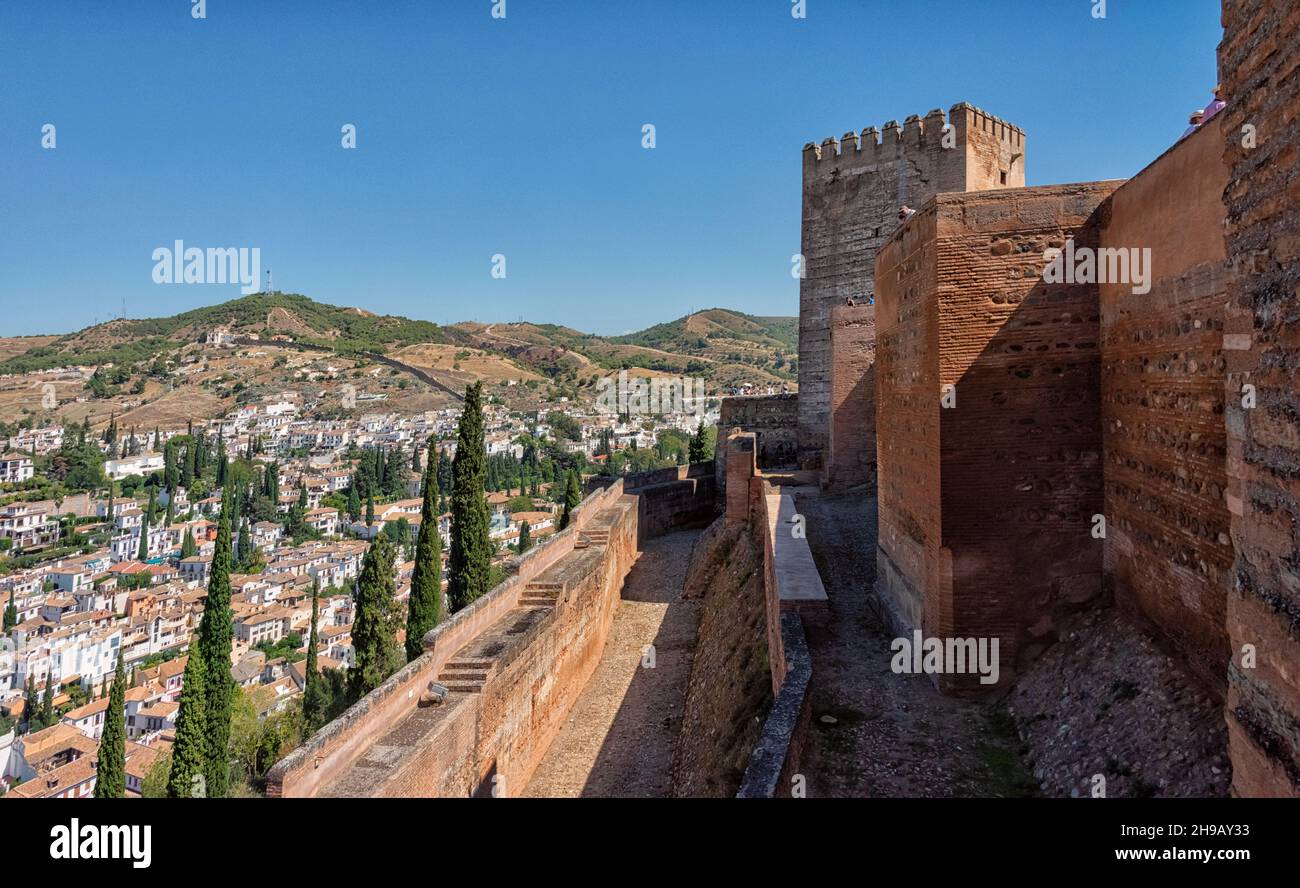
(465,675)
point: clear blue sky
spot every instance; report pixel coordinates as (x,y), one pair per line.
(522,137)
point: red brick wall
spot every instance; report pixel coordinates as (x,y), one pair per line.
(851,451)
(1260,61)
(907,443)
(1167,551)
(985,508)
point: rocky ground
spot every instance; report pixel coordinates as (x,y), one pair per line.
(1106,701)
(876,733)
(618,740)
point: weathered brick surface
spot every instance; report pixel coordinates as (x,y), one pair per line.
(1260,58)
(852,190)
(530,645)
(851,448)
(774,420)
(985,508)
(1167,550)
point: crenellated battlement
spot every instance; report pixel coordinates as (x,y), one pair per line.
(916,132)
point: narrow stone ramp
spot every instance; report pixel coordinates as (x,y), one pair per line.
(618,739)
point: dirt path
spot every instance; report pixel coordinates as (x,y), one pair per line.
(618,740)
(876,733)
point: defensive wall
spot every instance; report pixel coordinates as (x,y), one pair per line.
(794,598)
(853,188)
(513,663)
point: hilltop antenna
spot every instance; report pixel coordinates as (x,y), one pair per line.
(124,306)
(268,281)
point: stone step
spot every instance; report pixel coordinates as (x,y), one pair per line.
(462,687)
(532,601)
(469,663)
(462,675)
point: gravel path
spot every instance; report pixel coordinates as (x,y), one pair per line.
(618,740)
(876,733)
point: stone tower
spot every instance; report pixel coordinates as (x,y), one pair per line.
(852,191)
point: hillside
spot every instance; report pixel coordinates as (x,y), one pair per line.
(265,314)
(163,372)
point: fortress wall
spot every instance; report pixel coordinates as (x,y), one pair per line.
(851,447)
(774,420)
(907,440)
(1261,64)
(985,507)
(674,498)
(852,190)
(334,749)
(1168,554)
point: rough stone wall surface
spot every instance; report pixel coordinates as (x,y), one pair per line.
(774,420)
(907,443)
(1167,550)
(852,190)
(515,662)
(986,504)
(851,448)
(1260,58)
(675,498)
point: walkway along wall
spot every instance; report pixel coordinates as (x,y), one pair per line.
(793,595)
(514,662)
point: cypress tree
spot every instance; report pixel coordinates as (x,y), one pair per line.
(424,606)
(215,633)
(370,510)
(11,613)
(110,769)
(525,537)
(31,704)
(315,700)
(470,559)
(572,497)
(697,453)
(109,514)
(142,554)
(47,703)
(190,751)
(354,503)
(376,653)
(188,547)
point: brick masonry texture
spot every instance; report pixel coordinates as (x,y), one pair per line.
(1260,58)
(515,661)
(850,457)
(852,190)
(986,507)
(1167,551)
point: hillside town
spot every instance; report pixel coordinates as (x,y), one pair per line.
(110,537)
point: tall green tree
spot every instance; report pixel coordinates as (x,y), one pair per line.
(370,510)
(110,769)
(215,639)
(188,547)
(354,503)
(11,613)
(525,537)
(470,558)
(698,447)
(424,607)
(572,497)
(376,654)
(190,750)
(315,696)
